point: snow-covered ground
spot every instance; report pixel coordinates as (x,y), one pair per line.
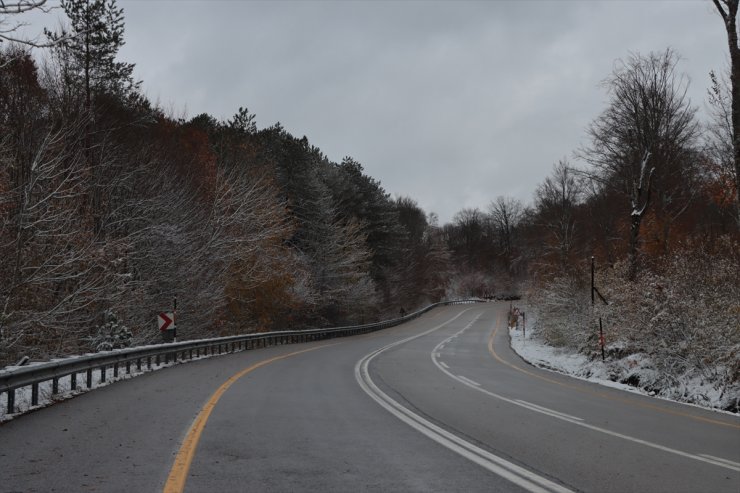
(612,373)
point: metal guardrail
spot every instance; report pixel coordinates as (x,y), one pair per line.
(147,356)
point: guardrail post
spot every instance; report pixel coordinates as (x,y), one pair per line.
(73,381)
(35,394)
(115,370)
(102,373)
(11,401)
(128,367)
(89,378)
(55,386)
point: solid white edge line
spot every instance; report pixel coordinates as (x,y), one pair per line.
(468,380)
(444,365)
(493,463)
(578,421)
(548,410)
(720,459)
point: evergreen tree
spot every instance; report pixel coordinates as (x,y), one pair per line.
(91,45)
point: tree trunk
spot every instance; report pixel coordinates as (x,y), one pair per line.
(735,80)
(729,18)
(638,211)
(634,237)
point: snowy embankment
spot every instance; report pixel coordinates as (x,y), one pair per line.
(618,373)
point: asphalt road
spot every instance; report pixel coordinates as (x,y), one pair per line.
(438,404)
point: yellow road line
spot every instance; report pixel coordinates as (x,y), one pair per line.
(179,472)
(598,394)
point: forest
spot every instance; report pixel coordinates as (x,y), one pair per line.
(110,208)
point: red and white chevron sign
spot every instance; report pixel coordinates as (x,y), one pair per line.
(164,320)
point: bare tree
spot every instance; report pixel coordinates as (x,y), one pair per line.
(9,29)
(466,236)
(646,135)
(555,201)
(506,213)
(728,11)
(213,255)
(720,140)
(55,273)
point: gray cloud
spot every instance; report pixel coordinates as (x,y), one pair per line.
(451,103)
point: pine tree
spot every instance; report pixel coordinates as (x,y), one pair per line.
(91,45)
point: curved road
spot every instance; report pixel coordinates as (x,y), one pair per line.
(438,404)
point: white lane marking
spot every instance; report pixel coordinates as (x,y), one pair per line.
(721,460)
(468,381)
(436,355)
(578,421)
(493,463)
(547,410)
(443,365)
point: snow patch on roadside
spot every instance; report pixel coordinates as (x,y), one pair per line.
(633,373)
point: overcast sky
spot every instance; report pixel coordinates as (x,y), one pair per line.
(451,103)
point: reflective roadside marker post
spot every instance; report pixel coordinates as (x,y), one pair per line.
(595,291)
(174,320)
(524,325)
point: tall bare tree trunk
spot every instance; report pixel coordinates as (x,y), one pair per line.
(639,193)
(729,16)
